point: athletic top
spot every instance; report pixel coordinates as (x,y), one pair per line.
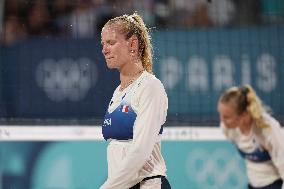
(263,151)
(133,127)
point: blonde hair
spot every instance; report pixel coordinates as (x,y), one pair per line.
(244,98)
(131,25)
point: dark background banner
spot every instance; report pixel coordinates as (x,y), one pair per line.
(2,102)
(197,65)
(68,79)
(51,79)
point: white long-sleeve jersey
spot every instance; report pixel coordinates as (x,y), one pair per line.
(134,151)
(263,150)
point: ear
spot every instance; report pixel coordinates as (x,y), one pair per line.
(133,44)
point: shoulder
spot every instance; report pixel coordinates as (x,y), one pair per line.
(149,87)
(151,82)
(273,126)
(272,131)
(273,135)
(271,121)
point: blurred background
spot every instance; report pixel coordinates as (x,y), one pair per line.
(52,73)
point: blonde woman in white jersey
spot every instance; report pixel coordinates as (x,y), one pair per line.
(256,135)
(137,110)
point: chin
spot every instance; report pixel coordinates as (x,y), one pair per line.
(110,66)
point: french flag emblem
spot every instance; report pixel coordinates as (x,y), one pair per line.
(125,108)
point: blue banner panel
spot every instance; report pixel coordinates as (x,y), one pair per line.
(2,102)
(50,78)
(197,65)
(68,79)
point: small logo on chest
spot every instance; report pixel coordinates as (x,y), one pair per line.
(125,108)
(107,122)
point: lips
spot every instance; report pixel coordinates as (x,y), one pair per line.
(108,58)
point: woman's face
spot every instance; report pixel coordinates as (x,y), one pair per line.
(228,115)
(115,47)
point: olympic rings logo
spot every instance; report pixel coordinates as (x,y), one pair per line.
(66,78)
(215,170)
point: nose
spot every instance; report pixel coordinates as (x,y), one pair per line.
(105,50)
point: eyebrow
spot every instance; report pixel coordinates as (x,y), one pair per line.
(110,40)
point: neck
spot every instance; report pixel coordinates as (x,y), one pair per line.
(129,76)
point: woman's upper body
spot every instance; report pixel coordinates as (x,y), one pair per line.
(135,116)
(138,108)
(256,134)
(262,149)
